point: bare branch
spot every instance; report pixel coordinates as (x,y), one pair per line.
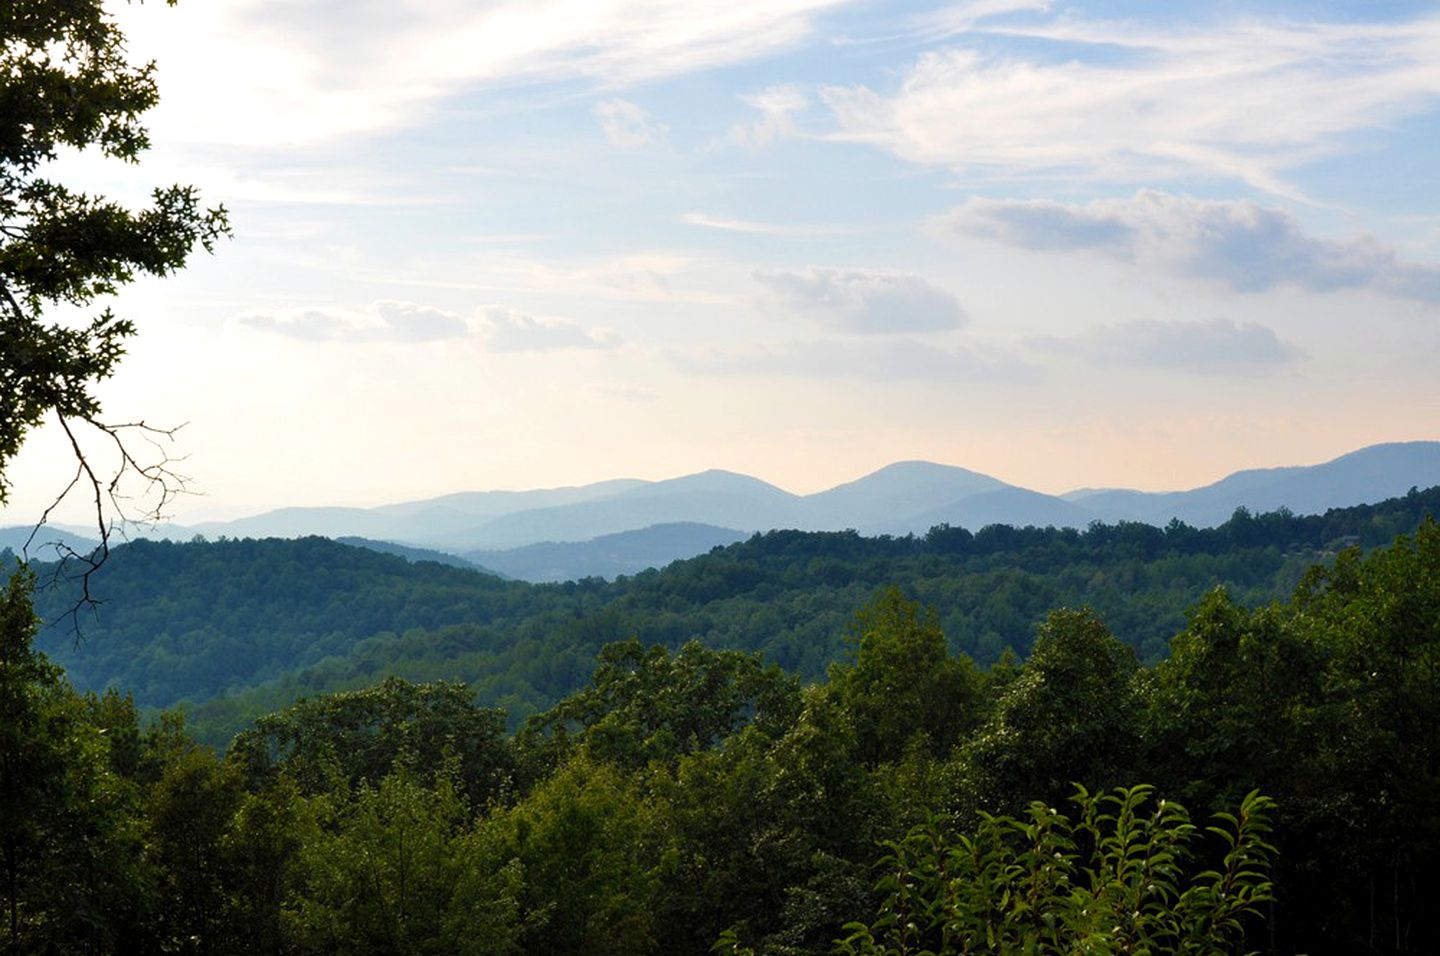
(159,482)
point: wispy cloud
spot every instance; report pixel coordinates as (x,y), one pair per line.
(507,330)
(386,320)
(896,361)
(339,67)
(751,227)
(864,300)
(1241,244)
(1124,102)
(777,106)
(1214,346)
(626,124)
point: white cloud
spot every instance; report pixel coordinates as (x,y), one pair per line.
(265,73)
(501,329)
(864,300)
(1243,245)
(510,331)
(896,361)
(777,106)
(751,227)
(1217,345)
(625,123)
(963,17)
(386,320)
(1122,102)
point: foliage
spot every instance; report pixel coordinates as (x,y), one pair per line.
(69,852)
(684,797)
(1116,879)
(67,85)
(904,683)
(183,622)
(647,704)
(360,735)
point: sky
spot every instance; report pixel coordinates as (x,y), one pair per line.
(538,243)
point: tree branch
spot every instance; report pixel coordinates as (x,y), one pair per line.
(159,481)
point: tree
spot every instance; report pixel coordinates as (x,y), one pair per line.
(70,875)
(904,683)
(360,735)
(1071,714)
(1119,878)
(66,84)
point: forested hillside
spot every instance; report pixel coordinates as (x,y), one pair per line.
(239,628)
(1271,786)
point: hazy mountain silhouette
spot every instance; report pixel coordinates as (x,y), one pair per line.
(877,501)
(627,552)
(906,497)
(1361,477)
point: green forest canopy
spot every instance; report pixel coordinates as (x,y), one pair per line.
(239,628)
(684,799)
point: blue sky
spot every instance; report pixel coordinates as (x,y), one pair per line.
(485,245)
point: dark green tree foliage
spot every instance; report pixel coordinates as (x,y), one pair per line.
(70,870)
(360,735)
(381,871)
(588,846)
(183,622)
(65,83)
(647,704)
(191,809)
(904,684)
(681,795)
(1071,714)
(1119,878)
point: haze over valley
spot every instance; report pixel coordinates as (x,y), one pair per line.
(624,526)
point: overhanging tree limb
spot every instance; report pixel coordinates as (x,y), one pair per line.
(66,84)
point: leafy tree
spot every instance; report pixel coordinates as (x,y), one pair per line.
(262,853)
(190,810)
(67,85)
(1072,713)
(1119,878)
(587,844)
(904,683)
(381,873)
(647,704)
(71,877)
(360,735)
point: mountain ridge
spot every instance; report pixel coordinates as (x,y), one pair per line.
(905,497)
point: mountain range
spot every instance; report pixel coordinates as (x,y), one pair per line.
(625,525)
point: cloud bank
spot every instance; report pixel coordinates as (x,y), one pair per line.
(866,301)
(386,320)
(501,329)
(1242,245)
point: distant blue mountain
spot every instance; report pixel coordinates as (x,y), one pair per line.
(608,556)
(1361,477)
(719,498)
(45,544)
(889,499)
(564,524)
(414,555)
(1012,506)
